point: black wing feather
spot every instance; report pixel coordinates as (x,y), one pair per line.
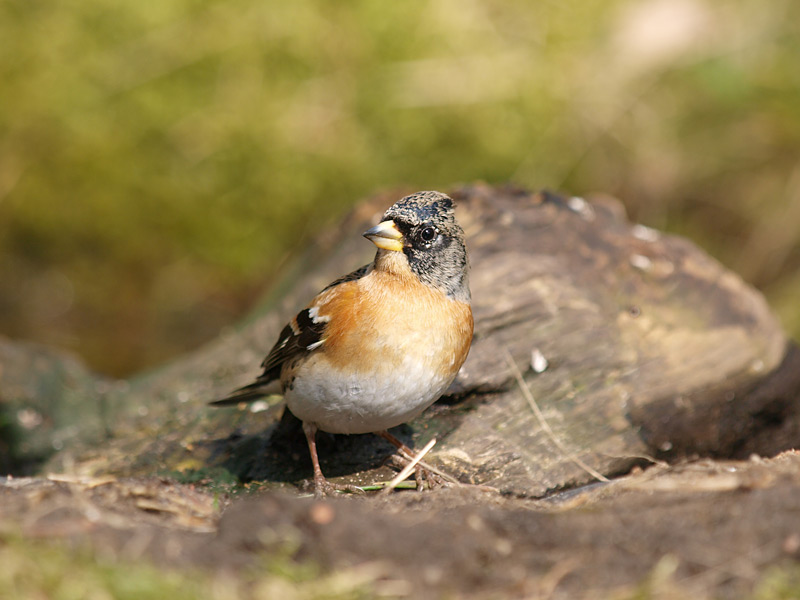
(357,274)
(292,343)
(296,340)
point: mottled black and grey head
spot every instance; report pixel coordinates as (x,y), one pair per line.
(423,226)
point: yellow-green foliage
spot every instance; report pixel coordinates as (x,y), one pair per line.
(33,570)
(159,159)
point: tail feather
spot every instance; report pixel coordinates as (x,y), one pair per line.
(249,393)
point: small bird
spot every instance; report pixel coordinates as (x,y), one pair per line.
(376,347)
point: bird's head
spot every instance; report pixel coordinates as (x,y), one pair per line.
(423,228)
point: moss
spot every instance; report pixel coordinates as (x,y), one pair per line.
(159,161)
(46,570)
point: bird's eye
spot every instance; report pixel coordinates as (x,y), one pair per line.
(428,234)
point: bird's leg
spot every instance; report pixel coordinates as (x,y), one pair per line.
(320,483)
(434,476)
(323,487)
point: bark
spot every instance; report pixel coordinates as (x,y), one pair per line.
(599,345)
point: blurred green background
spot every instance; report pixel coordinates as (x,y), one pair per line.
(159,161)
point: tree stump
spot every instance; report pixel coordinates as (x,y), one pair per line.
(599,345)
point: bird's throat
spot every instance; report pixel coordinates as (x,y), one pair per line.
(396,263)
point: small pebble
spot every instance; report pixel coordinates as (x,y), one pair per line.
(539,363)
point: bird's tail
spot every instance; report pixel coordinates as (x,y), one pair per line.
(249,393)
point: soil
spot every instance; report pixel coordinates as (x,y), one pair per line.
(701,530)
(653,352)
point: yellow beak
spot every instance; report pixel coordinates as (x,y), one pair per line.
(385,235)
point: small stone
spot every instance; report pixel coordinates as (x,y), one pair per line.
(539,363)
(322,513)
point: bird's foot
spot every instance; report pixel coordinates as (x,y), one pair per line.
(325,488)
(422,476)
(423,472)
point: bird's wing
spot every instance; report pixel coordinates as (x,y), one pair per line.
(357,274)
(302,335)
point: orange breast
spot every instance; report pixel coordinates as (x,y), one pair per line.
(385,318)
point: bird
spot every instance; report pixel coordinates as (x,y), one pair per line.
(378,346)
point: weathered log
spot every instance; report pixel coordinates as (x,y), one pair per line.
(48,400)
(599,344)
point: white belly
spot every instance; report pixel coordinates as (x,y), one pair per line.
(339,403)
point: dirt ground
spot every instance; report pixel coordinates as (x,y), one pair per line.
(655,353)
(699,530)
